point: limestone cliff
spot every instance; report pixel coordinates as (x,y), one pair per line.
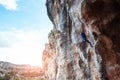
(64,58)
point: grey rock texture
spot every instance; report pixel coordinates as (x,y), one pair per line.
(64,58)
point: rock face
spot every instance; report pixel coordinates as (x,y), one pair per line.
(64,58)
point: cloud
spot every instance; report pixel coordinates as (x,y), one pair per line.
(6,40)
(23,46)
(9,4)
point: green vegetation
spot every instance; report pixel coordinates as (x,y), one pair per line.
(42,79)
(15,76)
(10,71)
(51,33)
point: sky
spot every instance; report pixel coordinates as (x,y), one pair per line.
(24,28)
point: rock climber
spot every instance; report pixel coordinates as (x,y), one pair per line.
(84,39)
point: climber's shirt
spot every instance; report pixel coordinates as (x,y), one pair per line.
(83,36)
(84,39)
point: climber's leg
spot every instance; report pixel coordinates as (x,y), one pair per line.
(89,43)
(82,43)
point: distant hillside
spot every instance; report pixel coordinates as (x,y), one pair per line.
(9,71)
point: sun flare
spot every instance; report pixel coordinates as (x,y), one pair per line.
(23,47)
